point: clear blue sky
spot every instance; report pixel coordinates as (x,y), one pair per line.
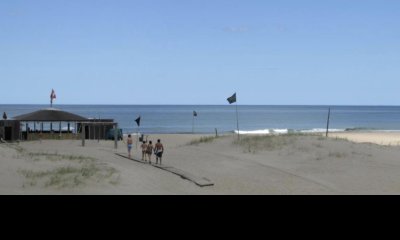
(200,51)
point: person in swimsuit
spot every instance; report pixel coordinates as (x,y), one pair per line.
(149,150)
(130,143)
(144,150)
(159,150)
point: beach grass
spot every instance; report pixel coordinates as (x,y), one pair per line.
(60,157)
(70,176)
(337,155)
(75,170)
(202,140)
(254,144)
(16,147)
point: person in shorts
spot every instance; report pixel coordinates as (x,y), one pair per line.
(144,150)
(130,144)
(149,150)
(159,150)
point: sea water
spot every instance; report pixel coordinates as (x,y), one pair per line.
(252,119)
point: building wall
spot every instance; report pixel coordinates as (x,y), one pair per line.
(98,132)
(97,128)
(11,125)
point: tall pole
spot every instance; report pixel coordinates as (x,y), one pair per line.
(98,136)
(327,124)
(137,137)
(98,131)
(83,134)
(116,135)
(193,124)
(237,120)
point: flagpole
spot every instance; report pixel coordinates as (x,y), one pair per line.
(327,123)
(138,130)
(237,120)
(137,137)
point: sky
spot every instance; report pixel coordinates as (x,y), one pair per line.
(308,52)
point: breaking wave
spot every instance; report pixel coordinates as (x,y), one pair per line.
(286,131)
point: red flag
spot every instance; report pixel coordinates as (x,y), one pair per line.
(53,95)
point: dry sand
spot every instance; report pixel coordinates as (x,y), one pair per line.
(259,165)
(381,138)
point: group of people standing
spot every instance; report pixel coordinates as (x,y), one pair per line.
(148,149)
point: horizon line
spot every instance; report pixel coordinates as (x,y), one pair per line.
(153,104)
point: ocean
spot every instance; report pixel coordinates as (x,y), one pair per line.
(252,119)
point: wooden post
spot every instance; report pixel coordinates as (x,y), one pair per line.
(327,124)
(193,124)
(116,135)
(27,131)
(83,133)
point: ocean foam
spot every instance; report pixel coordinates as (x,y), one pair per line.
(286,131)
(264,132)
(258,132)
(321,130)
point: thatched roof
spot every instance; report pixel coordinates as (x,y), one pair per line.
(50,115)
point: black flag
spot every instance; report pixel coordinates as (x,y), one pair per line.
(4,116)
(138,121)
(194,113)
(232,99)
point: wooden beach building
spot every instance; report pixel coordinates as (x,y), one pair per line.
(9,130)
(47,124)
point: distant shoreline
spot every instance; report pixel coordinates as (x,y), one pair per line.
(206,105)
(252,118)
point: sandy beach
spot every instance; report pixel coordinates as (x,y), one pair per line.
(377,137)
(286,164)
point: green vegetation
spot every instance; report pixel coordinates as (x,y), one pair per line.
(16,147)
(337,155)
(70,176)
(60,157)
(202,140)
(79,171)
(322,138)
(254,144)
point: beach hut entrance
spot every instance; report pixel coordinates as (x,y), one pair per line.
(8,133)
(87,136)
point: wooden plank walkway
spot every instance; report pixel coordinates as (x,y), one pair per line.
(201,182)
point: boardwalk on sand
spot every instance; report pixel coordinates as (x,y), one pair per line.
(201,182)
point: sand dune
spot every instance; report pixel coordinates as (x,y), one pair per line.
(256,165)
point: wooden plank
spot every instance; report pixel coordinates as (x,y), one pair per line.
(201,182)
(132,159)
